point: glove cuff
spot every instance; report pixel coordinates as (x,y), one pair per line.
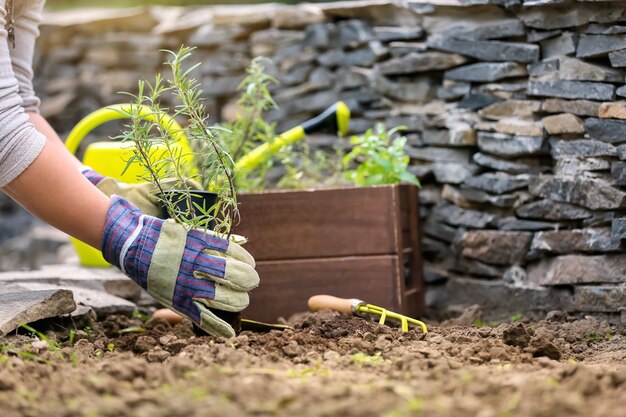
(93,177)
(129,239)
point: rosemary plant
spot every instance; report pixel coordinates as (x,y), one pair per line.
(157,152)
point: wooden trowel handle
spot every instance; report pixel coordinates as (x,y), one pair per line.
(328,302)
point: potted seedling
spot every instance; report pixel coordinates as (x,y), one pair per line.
(182,179)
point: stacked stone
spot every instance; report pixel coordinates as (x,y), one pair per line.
(513,111)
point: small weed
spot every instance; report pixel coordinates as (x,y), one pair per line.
(608,336)
(362,358)
(140,316)
(72,336)
(111,347)
(592,337)
(132,330)
(52,346)
(481,323)
(517,317)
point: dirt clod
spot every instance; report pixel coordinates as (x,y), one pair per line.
(516,335)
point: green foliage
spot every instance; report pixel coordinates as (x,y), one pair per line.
(250,129)
(381,158)
(305,169)
(517,317)
(153,131)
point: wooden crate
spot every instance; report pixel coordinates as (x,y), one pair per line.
(353,242)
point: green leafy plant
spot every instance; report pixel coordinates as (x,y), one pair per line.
(379,157)
(156,151)
(250,129)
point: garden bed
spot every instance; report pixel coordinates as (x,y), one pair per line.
(327,365)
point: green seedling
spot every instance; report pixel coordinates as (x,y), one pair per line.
(362,358)
(52,346)
(380,158)
(111,347)
(140,316)
(517,317)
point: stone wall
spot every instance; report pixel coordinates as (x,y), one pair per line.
(514,113)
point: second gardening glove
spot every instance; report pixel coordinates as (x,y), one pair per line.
(187,270)
(143,195)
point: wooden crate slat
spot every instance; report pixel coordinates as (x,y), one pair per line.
(320,223)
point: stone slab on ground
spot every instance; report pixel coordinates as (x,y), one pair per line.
(102,303)
(22,307)
(108,280)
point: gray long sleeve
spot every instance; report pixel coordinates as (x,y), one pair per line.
(20,142)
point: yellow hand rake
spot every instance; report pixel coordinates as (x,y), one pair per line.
(355,306)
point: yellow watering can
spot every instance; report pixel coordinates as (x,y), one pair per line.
(109,158)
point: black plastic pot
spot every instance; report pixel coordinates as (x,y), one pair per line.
(202,200)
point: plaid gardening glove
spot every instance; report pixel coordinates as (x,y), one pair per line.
(143,195)
(187,270)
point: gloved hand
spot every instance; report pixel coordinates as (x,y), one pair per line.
(143,195)
(187,270)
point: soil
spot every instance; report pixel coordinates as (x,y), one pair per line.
(326,365)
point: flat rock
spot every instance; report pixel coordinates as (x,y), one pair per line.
(435,154)
(509,166)
(571,89)
(572,165)
(577,240)
(512,223)
(23,307)
(618,171)
(108,280)
(421,62)
(475,267)
(562,45)
(618,229)
(508,145)
(592,193)
(477,100)
(497,182)
(457,134)
(451,90)
(453,172)
(566,68)
(564,123)
(554,17)
(456,216)
(472,198)
(583,148)
(606,130)
(600,298)
(578,269)
(499,299)
(417,89)
(393,34)
(487,50)
(577,107)
(592,46)
(514,126)
(552,210)
(618,58)
(486,72)
(439,230)
(496,247)
(616,110)
(521,109)
(621,152)
(497,29)
(297,17)
(102,303)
